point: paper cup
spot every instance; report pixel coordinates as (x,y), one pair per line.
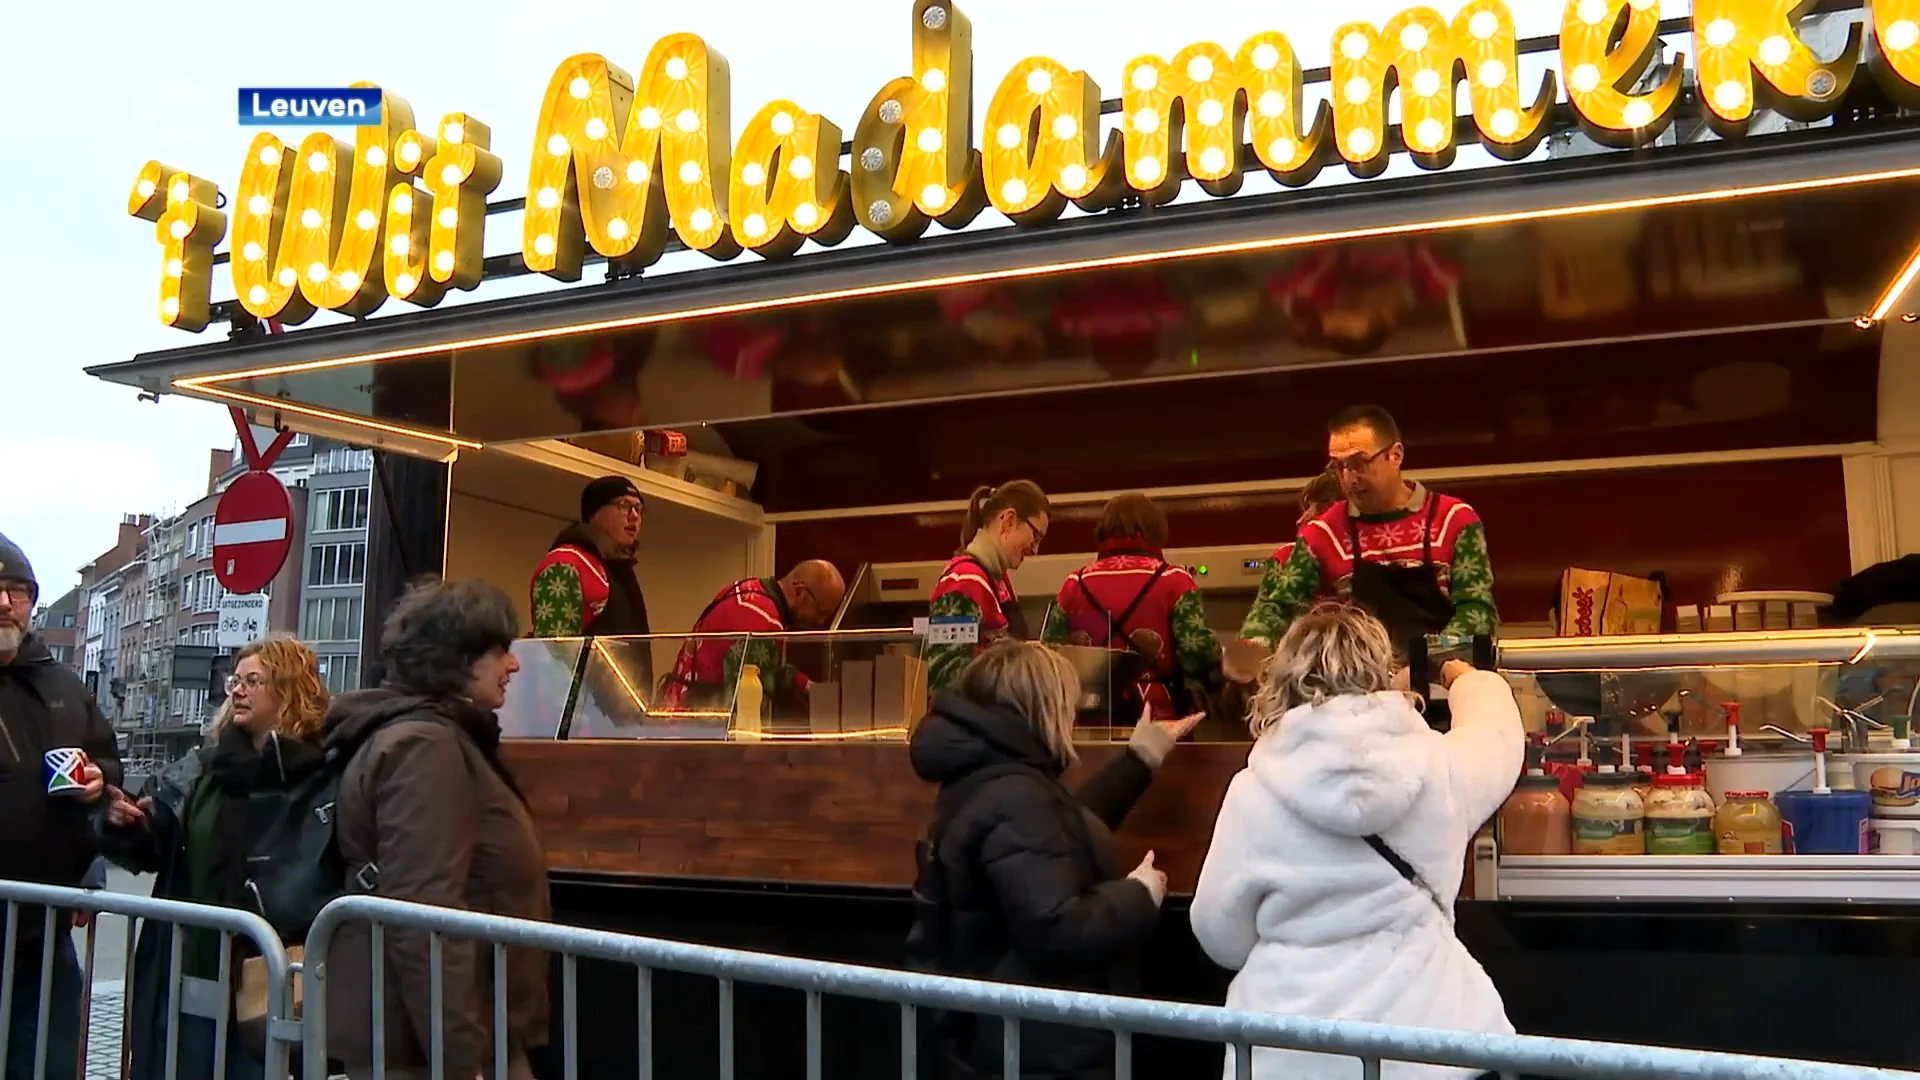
(63,770)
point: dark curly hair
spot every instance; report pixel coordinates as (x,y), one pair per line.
(439,629)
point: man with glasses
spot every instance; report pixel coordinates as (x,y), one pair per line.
(706,670)
(43,707)
(1415,558)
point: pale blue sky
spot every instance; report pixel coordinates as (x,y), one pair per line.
(104,86)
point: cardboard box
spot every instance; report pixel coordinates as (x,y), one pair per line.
(823,708)
(856,695)
(899,690)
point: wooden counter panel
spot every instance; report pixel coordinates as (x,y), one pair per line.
(804,812)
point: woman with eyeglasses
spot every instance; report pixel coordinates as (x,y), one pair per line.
(195,830)
(1003,526)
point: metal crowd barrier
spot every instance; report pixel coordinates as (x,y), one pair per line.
(1125,1017)
(60,901)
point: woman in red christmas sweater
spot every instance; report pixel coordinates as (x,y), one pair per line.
(1003,526)
(1131,598)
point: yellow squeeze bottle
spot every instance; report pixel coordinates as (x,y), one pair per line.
(747,698)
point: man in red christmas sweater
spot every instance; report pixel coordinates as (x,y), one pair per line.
(706,670)
(1422,565)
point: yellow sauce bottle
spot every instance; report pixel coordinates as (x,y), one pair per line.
(747,699)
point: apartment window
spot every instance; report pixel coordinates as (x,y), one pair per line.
(193,537)
(337,564)
(340,672)
(335,618)
(340,508)
(299,439)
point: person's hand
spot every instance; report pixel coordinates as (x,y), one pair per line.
(124,813)
(1452,670)
(1150,876)
(1240,662)
(1182,727)
(93,782)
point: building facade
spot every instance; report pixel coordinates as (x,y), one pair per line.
(57,625)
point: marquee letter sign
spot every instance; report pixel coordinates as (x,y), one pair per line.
(618,160)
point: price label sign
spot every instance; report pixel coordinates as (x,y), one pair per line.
(953,630)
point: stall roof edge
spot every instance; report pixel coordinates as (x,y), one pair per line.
(154,370)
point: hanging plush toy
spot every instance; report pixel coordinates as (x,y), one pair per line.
(596,378)
(987,315)
(1121,318)
(741,350)
(1350,297)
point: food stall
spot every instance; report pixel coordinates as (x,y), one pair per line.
(1695,357)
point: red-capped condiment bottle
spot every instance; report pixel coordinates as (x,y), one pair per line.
(1537,819)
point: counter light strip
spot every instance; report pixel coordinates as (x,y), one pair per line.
(1096,263)
(277,405)
(1896,290)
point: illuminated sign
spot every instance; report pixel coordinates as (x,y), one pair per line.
(620,160)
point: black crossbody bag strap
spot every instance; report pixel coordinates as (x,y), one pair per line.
(1405,869)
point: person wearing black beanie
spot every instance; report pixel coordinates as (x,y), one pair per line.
(587,584)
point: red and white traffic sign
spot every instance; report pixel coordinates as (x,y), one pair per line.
(252,532)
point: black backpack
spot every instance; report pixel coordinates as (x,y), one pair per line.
(295,867)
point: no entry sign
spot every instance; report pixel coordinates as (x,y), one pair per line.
(252,532)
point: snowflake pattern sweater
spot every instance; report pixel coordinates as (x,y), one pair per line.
(1172,609)
(1318,564)
(971,586)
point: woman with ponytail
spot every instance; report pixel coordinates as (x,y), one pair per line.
(1003,526)
(1130,598)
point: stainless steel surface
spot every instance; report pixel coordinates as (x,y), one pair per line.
(1647,652)
(1838,879)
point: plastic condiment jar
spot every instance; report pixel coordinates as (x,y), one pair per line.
(1536,819)
(1608,816)
(1747,824)
(1679,816)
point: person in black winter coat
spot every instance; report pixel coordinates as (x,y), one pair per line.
(43,706)
(203,817)
(1019,880)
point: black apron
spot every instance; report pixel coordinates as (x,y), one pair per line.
(1176,686)
(1407,599)
(1016,619)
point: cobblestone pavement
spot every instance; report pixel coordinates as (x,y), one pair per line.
(103,1030)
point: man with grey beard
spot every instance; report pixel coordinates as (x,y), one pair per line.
(44,805)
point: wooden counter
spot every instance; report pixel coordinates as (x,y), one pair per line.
(805,812)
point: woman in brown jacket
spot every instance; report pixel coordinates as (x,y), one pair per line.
(429,813)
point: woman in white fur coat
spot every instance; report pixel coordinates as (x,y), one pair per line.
(1301,894)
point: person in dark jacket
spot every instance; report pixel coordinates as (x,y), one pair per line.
(194,831)
(44,706)
(429,810)
(1020,880)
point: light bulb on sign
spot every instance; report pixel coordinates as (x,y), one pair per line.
(1358,90)
(596,128)
(617,228)
(689,172)
(1013,192)
(310,218)
(752,175)
(1426,82)
(257,295)
(676,68)
(1430,132)
(1729,95)
(1271,103)
(1039,81)
(934,196)
(287,277)
(366,219)
(1213,159)
(1413,37)
(934,80)
(1901,35)
(1265,57)
(1775,51)
(146,188)
(443,262)
(1281,150)
(349,279)
(782,124)
(170,306)
(1591,11)
(543,244)
(1355,45)
(402,245)
(1637,114)
(258,205)
(453,132)
(928,140)
(409,153)
(547,198)
(649,118)
(178,192)
(802,168)
(1144,77)
(754,226)
(1147,170)
(269,155)
(806,215)
(1073,177)
(1504,123)
(1146,121)
(1493,74)
(1200,69)
(1008,136)
(403,202)
(557,145)
(579,88)
(1360,142)
(405,283)
(1585,78)
(251,252)
(450,176)
(688,120)
(375,157)
(449,217)
(1483,24)
(175,268)
(1211,112)
(317,161)
(637,172)
(1065,127)
(1720,33)
(317,272)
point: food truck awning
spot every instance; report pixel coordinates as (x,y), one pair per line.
(1814,227)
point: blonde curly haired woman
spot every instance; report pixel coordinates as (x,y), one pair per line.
(1337,855)
(193,832)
